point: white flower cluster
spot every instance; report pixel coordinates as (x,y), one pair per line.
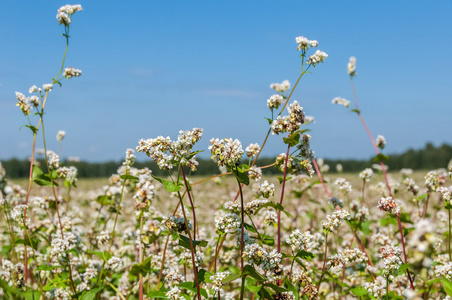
(341,101)
(65,13)
(345,257)
(275,101)
(71,72)
(376,288)
(281,87)
(255,173)
(432,181)
(286,296)
(351,67)
(316,58)
(217,280)
(254,205)
(12,274)
(103,237)
(172,276)
(167,153)
(335,219)
(446,192)
(411,186)
(60,135)
(300,240)
(23,103)
(304,43)
(228,223)
(290,123)
(294,166)
(69,173)
(344,185)
(144,192)
(199,258)
(389,205)
(226,152)
(257,255)
(391,260)
(266,189)
(444,270)
(130,158)
(366,174)
(380,141)
(17,214)
(54,160)
(252,150)
(174,293)
(114,263)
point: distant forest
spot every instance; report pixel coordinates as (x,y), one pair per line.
(428,158)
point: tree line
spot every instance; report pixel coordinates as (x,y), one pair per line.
(427,158)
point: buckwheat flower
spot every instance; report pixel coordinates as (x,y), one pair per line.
(114,263)
(346,257)
(47,87)
(23,103)
(284,296)
(411,186)
(300,240)
(58,248)
(341,101)
(339,168)
(281,87)
(71,72)
(60,135)
(226,152)
(316,58)
(308,119)
(446,193)
(380,141)
(176,224)
(351,67)
(217,280)
(376,288)
(252,150)
(228,223)
(103,237)
(344,186)
(313,43)
(130,158)
(65,12)
(33,89)
(432,181)
(254,205)
(275,101)
(391,260)
(266,189)
(54,160)
(389,205)
(17,214)
(303,43)
(254,253)
(255,173)
(34,100)
(271,217)
(174,293)
(366,174)
(335,219)
(186,256)
(444,270)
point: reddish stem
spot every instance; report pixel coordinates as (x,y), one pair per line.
(191,202)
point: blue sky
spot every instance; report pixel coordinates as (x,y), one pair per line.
(153,68)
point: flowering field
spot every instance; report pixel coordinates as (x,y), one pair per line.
(233,235)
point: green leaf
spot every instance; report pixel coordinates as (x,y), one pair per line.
(447,205)
(231,278)
(293,139)
(157,294)
(267,240)
(47,268)
(241,176)
(403,267)
(202,275)
(250,228)
(264,294)
(281,178)
(104,200)
(188,285)
(356,111)
(91,294)
(32,128)
(278,289)
(194,153)
(249,270)
(359,291)
(304,254)
(405,218)
(126,176)
(31,295)
(40,178)
(270,121)
(34,242)
(447,286)
(252,288)
(391,219)
(168,185)
(380,157)
(185,242)
(143,267)
(292,288)
(104,255)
